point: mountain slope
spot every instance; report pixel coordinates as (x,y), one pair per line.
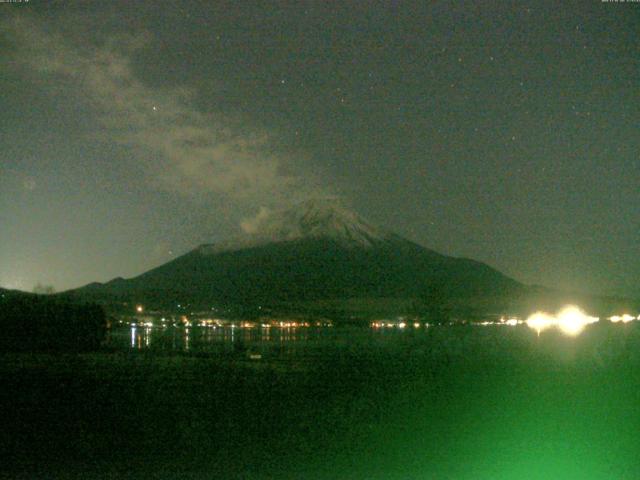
(316,251)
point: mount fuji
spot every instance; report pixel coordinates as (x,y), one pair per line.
(317,251)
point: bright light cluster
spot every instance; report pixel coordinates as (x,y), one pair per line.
(396,324)
(540,321)
(625,318)
(570,320)
(512,322)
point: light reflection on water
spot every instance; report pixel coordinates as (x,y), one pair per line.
(221,339)
(317,342)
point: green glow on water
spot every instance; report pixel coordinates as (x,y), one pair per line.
(461,403)
(557,407)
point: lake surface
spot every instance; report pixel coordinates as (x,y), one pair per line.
(449,402)
(279,341)
(265,341)
(596,343)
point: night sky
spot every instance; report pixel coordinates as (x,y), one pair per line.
(507,132)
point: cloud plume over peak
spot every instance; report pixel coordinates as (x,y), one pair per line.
(182,148)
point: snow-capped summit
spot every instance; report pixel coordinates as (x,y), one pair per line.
(320,218)
(312,219)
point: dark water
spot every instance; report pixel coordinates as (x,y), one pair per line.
(492,402)
(596,344)
(272,341)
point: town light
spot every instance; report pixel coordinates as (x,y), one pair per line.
(540,321)
(572,320)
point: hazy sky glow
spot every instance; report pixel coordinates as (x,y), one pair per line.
(133,131)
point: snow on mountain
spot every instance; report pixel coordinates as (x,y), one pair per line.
(311,219)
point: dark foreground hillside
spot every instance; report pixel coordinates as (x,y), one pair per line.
(459,403)
(45,323)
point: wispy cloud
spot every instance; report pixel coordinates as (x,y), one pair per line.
(252,225)
(183,149)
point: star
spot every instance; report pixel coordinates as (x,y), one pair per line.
(29,184)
